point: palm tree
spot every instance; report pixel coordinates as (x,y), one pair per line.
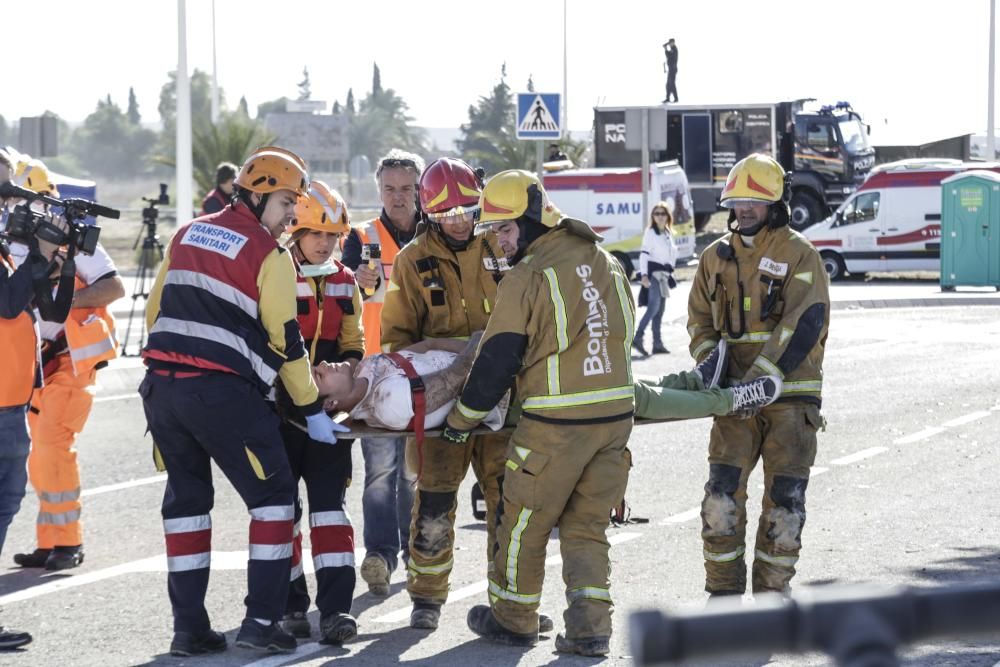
(230,140)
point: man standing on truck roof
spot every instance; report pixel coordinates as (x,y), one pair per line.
(670,67)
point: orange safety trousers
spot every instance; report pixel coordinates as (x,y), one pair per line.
(58,413)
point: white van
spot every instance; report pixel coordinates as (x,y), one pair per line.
(610,200)
(892,222)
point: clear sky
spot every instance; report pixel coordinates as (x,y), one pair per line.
(915,70)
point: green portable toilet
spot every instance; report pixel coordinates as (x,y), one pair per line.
(970,230)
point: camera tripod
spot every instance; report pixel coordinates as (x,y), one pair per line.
(149,257)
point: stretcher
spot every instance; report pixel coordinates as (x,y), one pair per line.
(360,429)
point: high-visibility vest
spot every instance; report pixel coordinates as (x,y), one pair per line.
(324,324)
(20,358)
(374,232)
(209,308)
(90,336)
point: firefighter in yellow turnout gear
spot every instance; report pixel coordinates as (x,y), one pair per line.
(763,289)
(562,329)
(444,285)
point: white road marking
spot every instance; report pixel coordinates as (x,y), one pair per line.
(928,432)
(301,651)
(221,560)
(965,419)
(816,471)
(682,517)
(480,586)
(859,456)
(124,485)
(119,397)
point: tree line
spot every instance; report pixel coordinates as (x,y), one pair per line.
(112,142)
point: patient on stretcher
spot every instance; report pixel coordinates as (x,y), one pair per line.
(378,391)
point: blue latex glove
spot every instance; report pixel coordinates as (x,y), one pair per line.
(323,429)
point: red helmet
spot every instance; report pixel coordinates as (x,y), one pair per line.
(449,187)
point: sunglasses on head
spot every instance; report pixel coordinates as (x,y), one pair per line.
(398,162)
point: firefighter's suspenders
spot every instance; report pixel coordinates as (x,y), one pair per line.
(417,393)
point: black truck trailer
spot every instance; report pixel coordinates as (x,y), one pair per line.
(825,147)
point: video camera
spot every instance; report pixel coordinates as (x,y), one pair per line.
(150,213)
(24,224)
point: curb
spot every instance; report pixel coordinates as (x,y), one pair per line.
(913,303)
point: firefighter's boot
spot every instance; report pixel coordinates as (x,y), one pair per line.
(481,621)
(593,647)
(425,615)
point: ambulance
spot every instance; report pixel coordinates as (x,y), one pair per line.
(610,200)
(892,222)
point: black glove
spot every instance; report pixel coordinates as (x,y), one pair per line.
(455,436)
(669,268)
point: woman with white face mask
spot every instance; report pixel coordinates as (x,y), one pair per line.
(329,316)
(656,267)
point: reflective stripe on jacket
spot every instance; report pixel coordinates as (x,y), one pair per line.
(208,310)
(90,336)
(568,308)
(778,325)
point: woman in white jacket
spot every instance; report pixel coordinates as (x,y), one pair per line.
(656,266)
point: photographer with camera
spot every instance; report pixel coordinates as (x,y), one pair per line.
(73,348)
(22,368)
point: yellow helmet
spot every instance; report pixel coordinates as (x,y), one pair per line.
(757,178)
(270,168)
(35,176)
(515,193)
(322,209)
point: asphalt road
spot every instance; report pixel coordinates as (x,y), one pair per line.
(904,492)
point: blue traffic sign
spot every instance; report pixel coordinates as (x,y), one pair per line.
(538,116)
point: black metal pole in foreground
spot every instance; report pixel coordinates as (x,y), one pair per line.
(856,625)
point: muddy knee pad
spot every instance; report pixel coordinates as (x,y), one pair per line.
(719,511)
(786,518)
(433,522)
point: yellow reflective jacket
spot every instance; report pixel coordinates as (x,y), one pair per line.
(436,292)
(563,326)
(771,302)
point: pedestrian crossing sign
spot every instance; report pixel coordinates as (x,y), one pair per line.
(538,116)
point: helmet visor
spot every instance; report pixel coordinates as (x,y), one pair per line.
(456,216)
(743,201)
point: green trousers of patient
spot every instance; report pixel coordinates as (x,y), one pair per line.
(679,396)
(565,476)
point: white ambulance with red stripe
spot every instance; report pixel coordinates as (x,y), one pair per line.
(610,200)
(892,222)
